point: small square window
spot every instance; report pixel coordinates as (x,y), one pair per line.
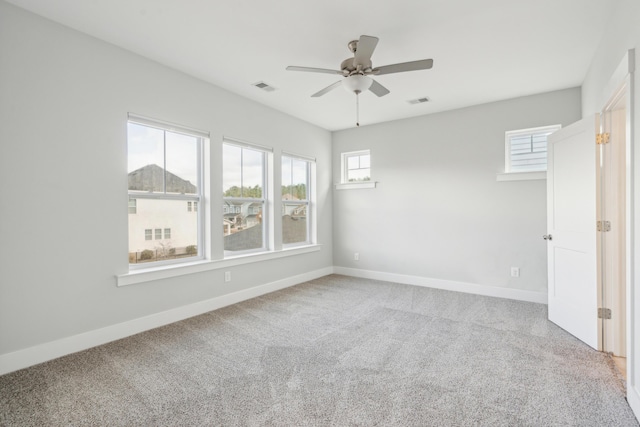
(526,149)
(356,166)
(167,233)
(158,233)
(148,234)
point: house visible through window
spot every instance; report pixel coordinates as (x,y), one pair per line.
(244,198)
(526,149)
(164,173)
(356,166)
(296,173)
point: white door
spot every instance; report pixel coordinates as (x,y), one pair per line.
(571,223)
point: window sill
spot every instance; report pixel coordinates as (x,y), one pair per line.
(521,176)
(356,185)
(165,272)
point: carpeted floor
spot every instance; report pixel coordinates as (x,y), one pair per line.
(336,351)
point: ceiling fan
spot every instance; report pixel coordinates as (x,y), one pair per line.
(356,70)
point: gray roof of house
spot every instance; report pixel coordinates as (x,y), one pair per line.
(150,178)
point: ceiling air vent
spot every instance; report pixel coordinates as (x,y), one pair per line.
(418,100)
(264,86)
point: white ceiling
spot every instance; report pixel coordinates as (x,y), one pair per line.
(483,50)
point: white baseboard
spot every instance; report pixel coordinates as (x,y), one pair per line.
(44,352)
(633,398)
(449,285)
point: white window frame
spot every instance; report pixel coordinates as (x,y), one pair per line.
(265,199)
(311,167)
(519,175)
(202,138)
(344,162)
(353,185)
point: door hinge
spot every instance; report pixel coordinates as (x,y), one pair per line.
(602,138)
(604,313)
(603,225)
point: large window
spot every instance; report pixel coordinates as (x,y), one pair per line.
(526,149)
(296,176)
(164,173)
(356,166)
(244,194)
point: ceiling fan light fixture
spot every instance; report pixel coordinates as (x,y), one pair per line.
(357,83)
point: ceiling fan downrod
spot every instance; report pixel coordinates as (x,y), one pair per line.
(357,108)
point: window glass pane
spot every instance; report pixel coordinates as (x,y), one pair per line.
(353,162)
(287,178)
(252,173)
(294,179)
(145,158)
(231,170)
(528,152)
(294,223)
(180,231)
(242,226)
(527,149)
(299,179)
(358,175)
(365,161)
(182,163)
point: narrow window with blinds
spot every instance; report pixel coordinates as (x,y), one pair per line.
(526,149)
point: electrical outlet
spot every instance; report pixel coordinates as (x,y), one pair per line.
(227,276)
(515,271)
(356,256)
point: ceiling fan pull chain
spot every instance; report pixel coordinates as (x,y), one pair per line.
(357,109)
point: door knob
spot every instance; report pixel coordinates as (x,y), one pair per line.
(547,237)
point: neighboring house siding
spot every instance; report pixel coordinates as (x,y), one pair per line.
(165,214)
(161,214)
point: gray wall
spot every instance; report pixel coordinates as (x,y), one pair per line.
(64,99)
(438,211)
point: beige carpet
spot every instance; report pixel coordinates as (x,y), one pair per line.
(336,351)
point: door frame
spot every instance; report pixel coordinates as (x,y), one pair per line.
(612,206)
(622,79)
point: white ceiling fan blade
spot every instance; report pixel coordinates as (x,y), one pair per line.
(378,89)
(313,70)
(366,46)
(423,64)
(327,89)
